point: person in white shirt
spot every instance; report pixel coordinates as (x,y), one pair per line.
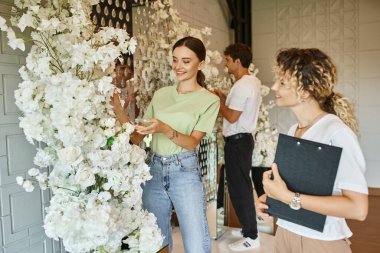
(305,81)
(240,110)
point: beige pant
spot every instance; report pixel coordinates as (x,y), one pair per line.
(288,242)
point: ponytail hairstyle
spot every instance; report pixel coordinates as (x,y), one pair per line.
(197,46)
(314,72)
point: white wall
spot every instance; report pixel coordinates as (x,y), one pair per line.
(211,13)
(349,31)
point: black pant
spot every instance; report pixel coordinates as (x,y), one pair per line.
(220,192)
(257,179)
(238,160)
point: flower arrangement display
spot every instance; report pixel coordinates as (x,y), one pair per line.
(265,136)
(95,174)
(160,27)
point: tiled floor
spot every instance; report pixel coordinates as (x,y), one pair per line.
(231,235)
(221,245)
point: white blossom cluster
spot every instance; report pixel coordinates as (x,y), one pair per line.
(265,136)
(153,57)
(96,175)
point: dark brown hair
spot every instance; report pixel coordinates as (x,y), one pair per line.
(197,46)
(239,51)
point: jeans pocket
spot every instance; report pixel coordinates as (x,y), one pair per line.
(189,164)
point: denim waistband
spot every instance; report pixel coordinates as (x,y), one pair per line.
(171,158)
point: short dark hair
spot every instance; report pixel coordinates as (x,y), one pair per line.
(240,51)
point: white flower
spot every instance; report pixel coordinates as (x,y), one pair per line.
(42,177)
(265,136)
(33,126)
(104,196)
(84,177)
(64,99)
(105,85)
(33,172)
(44,157)
(19,180)
(108,122)
(207,30)
(132,45)
(13,42)
(138,156)
(25,20)
(214,71)
(28,186)
(101,158)
(3,25)
(70,155)
(35,8)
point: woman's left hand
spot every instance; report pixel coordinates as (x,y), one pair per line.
(276,188)
(156,126)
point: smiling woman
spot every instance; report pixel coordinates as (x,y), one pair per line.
(178,116)
(305,82)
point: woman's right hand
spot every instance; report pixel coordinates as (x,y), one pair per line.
(118,109)
(116,104)
(261,206)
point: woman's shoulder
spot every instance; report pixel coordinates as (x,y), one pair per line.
(334,123)
(210,97)
(337,129)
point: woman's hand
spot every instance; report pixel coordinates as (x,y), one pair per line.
(275,187)
(116,104)
(118,109)
(156,126)
(261,206)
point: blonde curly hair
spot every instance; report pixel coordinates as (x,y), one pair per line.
(313,71)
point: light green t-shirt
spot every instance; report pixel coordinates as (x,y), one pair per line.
(184,113)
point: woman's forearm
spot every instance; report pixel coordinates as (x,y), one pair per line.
(136,138)
(188,142)
(351,205)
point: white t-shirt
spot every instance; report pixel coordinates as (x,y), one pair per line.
(244,97)
(350,176)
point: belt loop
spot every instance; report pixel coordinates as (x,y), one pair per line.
(176,159)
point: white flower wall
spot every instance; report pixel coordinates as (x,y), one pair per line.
(96,174)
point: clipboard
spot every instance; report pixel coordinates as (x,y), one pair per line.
(307,167)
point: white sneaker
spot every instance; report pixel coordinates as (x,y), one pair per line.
(236,233)
(245,244)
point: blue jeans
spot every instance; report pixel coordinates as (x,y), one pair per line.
(176,182)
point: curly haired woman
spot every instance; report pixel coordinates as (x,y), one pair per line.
(305,82)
